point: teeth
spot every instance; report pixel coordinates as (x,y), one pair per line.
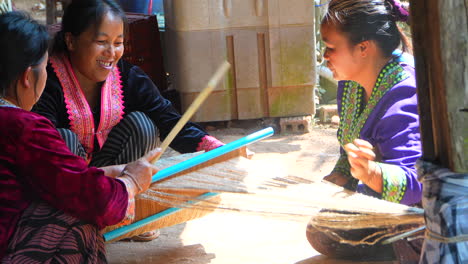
(106,64)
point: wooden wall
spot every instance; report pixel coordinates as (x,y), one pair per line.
(440,39)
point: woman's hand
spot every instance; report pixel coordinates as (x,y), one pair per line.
(361,157)
(140,172)
(113,171)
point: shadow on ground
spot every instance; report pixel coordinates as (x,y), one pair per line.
(168,249)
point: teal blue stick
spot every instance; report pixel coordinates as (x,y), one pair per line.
(129,228)
(162,174)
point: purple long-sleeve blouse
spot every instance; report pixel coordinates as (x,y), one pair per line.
(392,127)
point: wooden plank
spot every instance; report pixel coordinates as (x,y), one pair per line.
(440,49)
(262,74)
(454,44)
(233,75)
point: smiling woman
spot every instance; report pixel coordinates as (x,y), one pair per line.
(103,46)
(107,110)
(377,105)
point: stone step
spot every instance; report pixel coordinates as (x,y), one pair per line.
(298,124)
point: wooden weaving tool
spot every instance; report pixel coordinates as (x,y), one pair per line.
(297,199)
(152,214)
(145,208)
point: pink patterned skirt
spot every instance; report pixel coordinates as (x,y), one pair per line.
(47,235)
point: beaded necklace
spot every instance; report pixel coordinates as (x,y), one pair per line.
(354,112)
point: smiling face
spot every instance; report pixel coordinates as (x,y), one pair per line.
(343,58)
(96,51)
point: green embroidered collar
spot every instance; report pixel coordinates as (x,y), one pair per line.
(354,112)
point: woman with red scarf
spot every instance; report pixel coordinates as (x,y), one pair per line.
(107,110)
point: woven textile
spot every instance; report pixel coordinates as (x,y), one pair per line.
(445,201)
(45,234)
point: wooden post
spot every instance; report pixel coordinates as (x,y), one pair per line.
(51,11)
(440,39)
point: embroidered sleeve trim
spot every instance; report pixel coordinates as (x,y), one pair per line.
(130,214)
(208,143)
(394,182)
(342,166)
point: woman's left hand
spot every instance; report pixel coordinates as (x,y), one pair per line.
(361,157)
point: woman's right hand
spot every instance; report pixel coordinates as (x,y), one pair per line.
(140,172)
(361,157)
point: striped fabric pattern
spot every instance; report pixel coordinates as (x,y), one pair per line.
(47,235)
(128,141)
(5,6)
(72,141)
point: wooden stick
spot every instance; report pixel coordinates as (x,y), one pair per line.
(193,107)
(162,174)
(404,235)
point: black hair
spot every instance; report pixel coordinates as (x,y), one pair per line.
(81,15)
(363,20)
(23,43)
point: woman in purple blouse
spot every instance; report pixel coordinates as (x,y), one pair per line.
(377,105)
(52,205)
